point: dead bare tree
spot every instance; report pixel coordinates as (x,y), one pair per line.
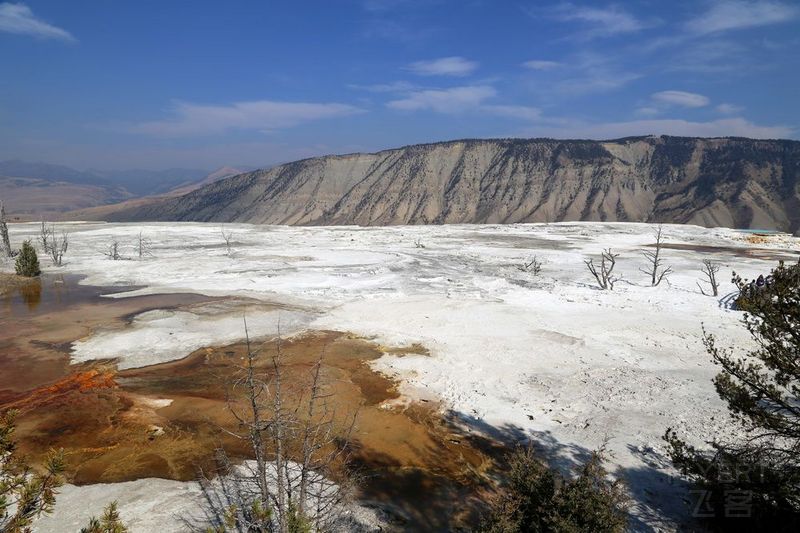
(656,269)
(533,265)
(296,439)
(604,276)
(53,245)
(5,242)
(113,251)
(227,236)
(709,270)
(144,246)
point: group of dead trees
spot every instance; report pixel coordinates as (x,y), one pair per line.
(53,244)
(297,480)
(142,247)
(657,270)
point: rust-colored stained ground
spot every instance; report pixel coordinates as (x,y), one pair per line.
(164,420)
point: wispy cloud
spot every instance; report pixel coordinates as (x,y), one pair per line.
(452,100)
(588,72)
(681,98)
(599,21)
(518,112)
(729,109)
(539,64)
(263,115)
(392,87)
(445,66)
(19,19)
(465,99)
(725,15)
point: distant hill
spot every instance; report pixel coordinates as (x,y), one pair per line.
(29,198)
(148,182)
(732,182)
(106,210)
(213,177)
(40,189)
(44,171)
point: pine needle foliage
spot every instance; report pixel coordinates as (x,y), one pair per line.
(758,475)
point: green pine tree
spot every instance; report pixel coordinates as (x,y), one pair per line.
(110,522)
(757,475)
(27,263)
(538,500)
(25,492)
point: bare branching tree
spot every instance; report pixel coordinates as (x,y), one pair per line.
(144,246)
(227,236)
(709,270)
(419,244)
(604,276)
(5,242)
(532,265)
(113,251)
(53,245)
(656,269)
(298,442)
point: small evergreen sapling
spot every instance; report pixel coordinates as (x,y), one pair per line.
(27,263)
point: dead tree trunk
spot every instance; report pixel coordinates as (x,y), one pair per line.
(295,443)
(227,237)
(709,270)
(604,275)
(144,246)
(655,269)
(53,245)
(5,242)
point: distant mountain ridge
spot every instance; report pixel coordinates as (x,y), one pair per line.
(734,182)
(44,190)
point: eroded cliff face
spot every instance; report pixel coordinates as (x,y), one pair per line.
(713,182)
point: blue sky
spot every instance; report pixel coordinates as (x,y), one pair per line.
(156,84)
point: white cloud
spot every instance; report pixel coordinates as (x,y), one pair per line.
(595,81)
(590,72)
(731,127)
(648,111)
(197,119)
(729,109)
(392,87)
(681,98)
(599,21)
(445,66)
(513,111)
(724,15)
(453,100)
(538,64)
(466,99)
(19,19)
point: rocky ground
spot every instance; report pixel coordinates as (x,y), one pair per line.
(509,354)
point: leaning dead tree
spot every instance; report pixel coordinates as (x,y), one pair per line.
(655,268)
(5,242)
(604,275)
(298,444)
(709,270)
(53,245)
